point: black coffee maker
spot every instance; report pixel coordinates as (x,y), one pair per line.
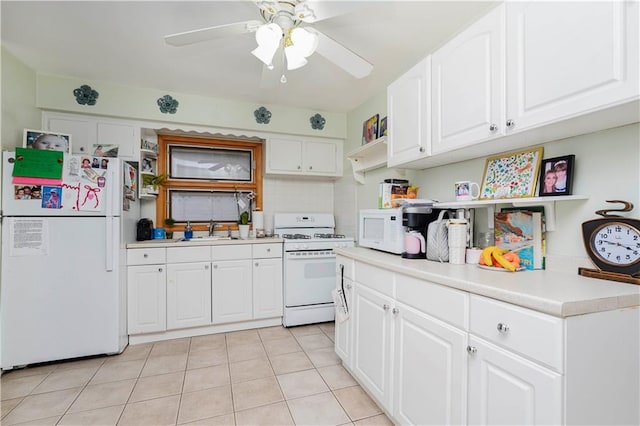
(416,219)
(144,230)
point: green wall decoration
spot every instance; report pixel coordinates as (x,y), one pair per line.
(317,122)
(263,115)
(168,105)
(85,95)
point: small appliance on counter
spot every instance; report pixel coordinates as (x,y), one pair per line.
(415,219)
(144,230)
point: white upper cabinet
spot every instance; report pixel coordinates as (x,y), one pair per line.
(87,132)
(408,109)
(468,102)
(310,157)
(569,58)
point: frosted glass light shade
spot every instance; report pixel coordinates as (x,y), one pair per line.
(268,38)
(303,44)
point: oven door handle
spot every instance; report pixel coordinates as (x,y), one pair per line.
(293,257)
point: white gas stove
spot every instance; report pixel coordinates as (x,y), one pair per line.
(309,265)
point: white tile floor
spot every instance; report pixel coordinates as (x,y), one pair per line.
(269,376)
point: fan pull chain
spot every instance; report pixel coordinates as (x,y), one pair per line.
(283,79)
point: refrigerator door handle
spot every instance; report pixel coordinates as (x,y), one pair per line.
(109,230)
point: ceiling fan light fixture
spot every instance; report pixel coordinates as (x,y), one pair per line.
(294,59)
(304,41)
(268,38)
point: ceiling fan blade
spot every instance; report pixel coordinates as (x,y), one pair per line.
(341,56)
(315,10)
(204,34)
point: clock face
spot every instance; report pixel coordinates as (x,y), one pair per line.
(613,244)
(616,243)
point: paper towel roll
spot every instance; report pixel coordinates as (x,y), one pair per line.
(258,220)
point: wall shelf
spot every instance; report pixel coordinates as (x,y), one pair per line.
(549,204)
(368,157)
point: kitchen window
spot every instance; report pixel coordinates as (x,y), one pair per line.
(208,179)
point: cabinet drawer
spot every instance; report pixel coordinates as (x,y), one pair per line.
(378,279)
(231,252)
(188,254)
(533,334)
(348,266)
(265,251)
(435,300)
(146,256)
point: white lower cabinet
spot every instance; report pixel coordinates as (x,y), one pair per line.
(267,288)
(429,369)
(232,291)
(343,328)
(188,295)
(507,389)
(372,342)
(147,298)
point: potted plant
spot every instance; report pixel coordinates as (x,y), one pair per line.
(169,222)
(151,182)
(243,225)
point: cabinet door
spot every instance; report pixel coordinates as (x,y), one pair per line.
(81,129)
(430,370)
(284,156)
(343,333)
(507,389)
(468,85)
(267,288)
(321,157)
(372,342)
(125,136)
(147,299)
(232,291)
(188,295)
(567,58)
(409,111)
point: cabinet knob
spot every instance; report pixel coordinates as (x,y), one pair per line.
(206,266)
(299,167)
(82,149)
(310,167)
(510,124)
(493,128)
(145,255)
(348,286)
(472,350)
(385,307)
(502,328)
(159,269)
(268,250)
(215,266)
(257,264)
(422,149)
(395,311)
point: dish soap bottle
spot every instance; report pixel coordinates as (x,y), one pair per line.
(188,232)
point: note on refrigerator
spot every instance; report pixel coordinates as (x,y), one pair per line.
(28,237)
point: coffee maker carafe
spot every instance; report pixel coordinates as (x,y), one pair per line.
(415,219)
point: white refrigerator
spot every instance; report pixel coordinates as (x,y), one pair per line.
(63,290)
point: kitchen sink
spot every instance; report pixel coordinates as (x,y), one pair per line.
(213,238)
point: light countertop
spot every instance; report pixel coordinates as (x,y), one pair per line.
(555,293)
(201,242)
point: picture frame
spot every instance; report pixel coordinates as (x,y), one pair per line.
(383,127)
(556,176)
(370,129)
(40,139)
(511,175)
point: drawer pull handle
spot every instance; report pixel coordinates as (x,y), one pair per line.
(502,328)
(145,255)
(385,307)
(395,311)
(472,350)
(268,250)
(159,269)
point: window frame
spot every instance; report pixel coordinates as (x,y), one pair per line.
(162,201)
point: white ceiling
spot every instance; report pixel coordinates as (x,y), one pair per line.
(122,42)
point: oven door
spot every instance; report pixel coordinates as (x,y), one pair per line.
(309,277)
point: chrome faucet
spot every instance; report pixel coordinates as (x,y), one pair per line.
(212,227)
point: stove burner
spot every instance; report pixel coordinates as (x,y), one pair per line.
(295,237)
(328,236)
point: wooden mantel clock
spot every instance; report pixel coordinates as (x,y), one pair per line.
(613,244)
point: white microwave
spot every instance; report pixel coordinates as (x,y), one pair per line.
(381,229)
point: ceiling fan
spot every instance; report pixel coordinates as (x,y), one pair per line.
(283,27)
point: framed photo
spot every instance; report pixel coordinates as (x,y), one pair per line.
(39,139)
(383,127)
(103,150)
(370,129)
(556,176)
(512,175)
